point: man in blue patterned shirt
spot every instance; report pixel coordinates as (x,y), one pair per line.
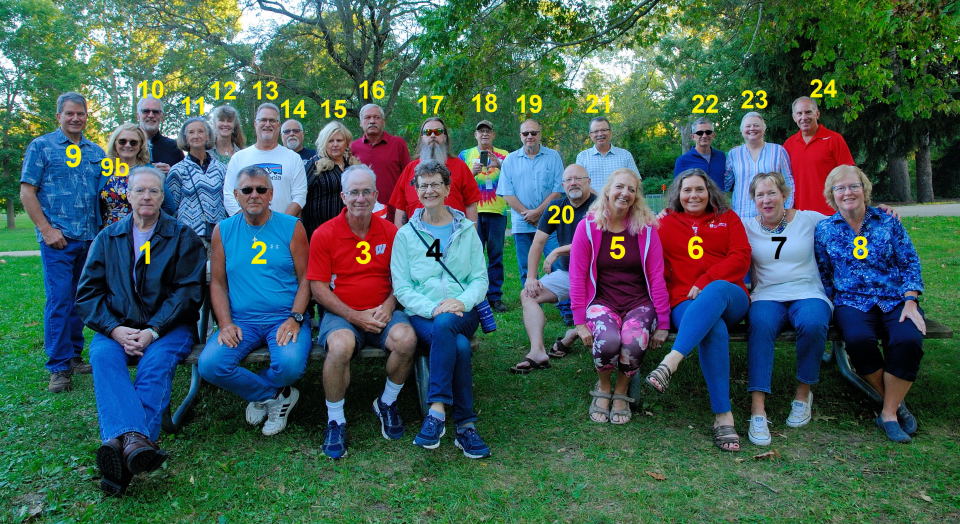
(59,183)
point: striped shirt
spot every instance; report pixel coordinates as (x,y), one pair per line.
(741,168)
(599,166)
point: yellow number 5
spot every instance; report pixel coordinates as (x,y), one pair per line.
(364,248)
(617,251)
(694,249)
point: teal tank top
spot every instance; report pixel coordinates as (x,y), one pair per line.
(261,279)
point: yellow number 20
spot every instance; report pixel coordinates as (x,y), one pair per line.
(860,250)
(617,251)
(364,248)
(694,249)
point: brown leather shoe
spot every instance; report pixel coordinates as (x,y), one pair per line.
(60,381)
(114,475)
(141,455)
(77,365)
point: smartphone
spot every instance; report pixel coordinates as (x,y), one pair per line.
(484,158)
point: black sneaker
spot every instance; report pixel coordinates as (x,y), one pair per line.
(497,306)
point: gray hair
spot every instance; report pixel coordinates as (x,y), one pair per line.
(254,172)
(145,170)
(701,120)
(368,107)
(144,99)
(599,119)
(753,114)
(430,167)
(182,135)
(266,105)
(804,99)
(356,168)
(70,96)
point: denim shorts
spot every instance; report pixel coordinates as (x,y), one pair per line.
(332,322)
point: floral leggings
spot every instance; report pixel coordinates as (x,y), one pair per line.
(620,341)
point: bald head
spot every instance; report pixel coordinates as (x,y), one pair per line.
(576,183)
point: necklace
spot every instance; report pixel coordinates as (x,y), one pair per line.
(780,227)
(256,231)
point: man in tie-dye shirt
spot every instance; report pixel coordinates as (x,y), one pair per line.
(492,209)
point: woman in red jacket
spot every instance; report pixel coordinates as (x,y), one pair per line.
(707,255)
(617,293)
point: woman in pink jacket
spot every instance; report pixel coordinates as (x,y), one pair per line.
(617,291)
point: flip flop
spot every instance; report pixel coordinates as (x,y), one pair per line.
(559,349)
(531,365)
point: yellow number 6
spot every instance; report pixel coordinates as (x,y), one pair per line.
(617,251)
(694,249)
(364,248)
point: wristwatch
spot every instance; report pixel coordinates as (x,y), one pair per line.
(911,297)
(153,332)
(297,316)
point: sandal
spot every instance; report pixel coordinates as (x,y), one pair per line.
(624,414)
(520,369)
(594,408)
(725,438)
(659,379)
(559,349)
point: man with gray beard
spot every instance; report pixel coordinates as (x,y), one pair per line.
(464,192)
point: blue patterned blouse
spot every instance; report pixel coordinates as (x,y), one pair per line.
(862,274)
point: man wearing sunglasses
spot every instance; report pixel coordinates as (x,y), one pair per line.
(703,155)
(164,152)
(286,169)
(604,158)
(435,145)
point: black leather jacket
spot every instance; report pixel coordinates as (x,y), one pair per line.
(168,291)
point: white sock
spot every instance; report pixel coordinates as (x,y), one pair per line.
(390,392)
(335,411)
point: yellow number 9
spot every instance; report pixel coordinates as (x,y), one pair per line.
(74,154)
(364,248)
(694,249)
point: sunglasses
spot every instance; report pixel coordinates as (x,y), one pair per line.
(707,132)
(530,133)
(433,132)
(249,189)
(292,131)
(124,141)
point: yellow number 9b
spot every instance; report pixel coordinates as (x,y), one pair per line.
(694,249)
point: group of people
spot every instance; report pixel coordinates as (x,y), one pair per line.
(387,251)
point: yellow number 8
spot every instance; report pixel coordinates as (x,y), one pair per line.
(694,249)
(364,248)
(860,250)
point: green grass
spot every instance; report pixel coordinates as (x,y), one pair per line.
(549,462)
(21,238)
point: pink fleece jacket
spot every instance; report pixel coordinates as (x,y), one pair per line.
(583,270)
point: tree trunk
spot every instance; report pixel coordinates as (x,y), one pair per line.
(11,214)
(924,170)
(899,176)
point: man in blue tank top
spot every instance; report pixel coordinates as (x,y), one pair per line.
(259,291)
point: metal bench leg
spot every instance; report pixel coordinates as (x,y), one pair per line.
(636,391)
(843,362)
(175,422)
(421,370)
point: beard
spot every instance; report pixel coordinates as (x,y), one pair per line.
(433,151)
(293,143)
(575,194)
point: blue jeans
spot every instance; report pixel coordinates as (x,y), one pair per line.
(522,243)
(451,369)
(62,326)
(704,322)
(491,228)
(810,318)
(220,364)
(123,406)
(902,341)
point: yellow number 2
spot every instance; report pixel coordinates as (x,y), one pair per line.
(364,248)
(146,252)
(617,251)
(258,258)
(860,250)
(694,249)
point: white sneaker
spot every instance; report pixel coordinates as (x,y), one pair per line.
(800,412)
(759,431)
(256,412)
(278,409)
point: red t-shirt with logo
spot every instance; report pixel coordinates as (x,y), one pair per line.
(811,162)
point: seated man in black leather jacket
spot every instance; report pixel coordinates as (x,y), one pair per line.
(140,291)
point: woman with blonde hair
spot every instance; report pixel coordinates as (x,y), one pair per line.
(228,131)
(323,175)
(617,291)
(127,149)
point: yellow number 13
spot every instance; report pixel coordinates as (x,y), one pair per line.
(364,248)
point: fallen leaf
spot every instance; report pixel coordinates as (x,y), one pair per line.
(781,435)
(3,261)
(24,274)
(282,489)
(925,497)
(191,480)
(691,427)
(739,460)
(647,413)
(31,324)
(655,475)
(769,455)
(824,417)
(562,450)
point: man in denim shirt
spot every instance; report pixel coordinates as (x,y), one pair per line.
(59,183)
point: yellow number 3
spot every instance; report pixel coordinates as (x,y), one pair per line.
(617,251)
(364,248)
(694,249)
(860,250)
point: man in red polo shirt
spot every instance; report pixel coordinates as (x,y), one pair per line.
(349,274)
(814,151)
(386,154)
(464,191)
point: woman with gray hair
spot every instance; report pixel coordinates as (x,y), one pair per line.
(194,186)
(755,156)
(323,175)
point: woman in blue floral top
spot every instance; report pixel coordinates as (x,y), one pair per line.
(871,272)
(127,143)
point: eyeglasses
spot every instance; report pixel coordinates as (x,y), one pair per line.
(151,111)
(292,131)
(530,133)
(575,179)
(249,189)
(702,132)
(124,141)
(432,185)
(152,191)
(854,188)
(598,131)
(484,131)
(267,121)
(433,132)
(354,193)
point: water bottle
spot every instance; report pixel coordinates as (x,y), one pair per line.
(487,323)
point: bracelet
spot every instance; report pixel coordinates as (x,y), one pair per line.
(911,297)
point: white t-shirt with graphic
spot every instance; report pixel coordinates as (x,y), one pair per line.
(286,172)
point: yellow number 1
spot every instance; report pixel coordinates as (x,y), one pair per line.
(146,252)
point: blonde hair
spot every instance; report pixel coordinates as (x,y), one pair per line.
(839,172)
(227,113)
(143,156)
(776,178)
(324,162)
(638,215)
